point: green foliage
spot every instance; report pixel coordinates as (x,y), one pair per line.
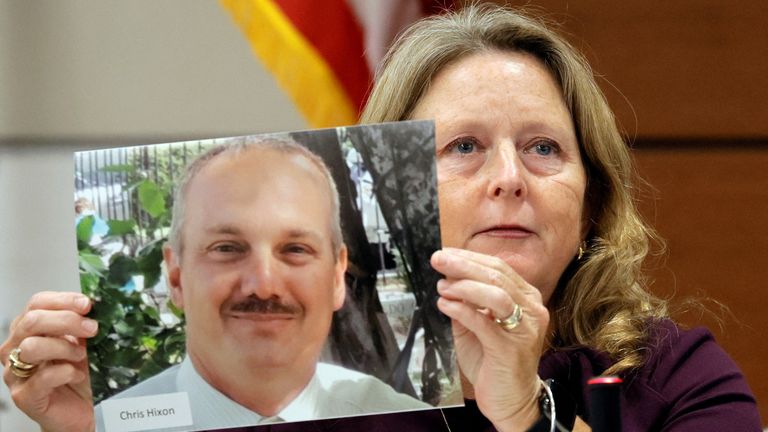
(121,228)
(84,231)
(133,342)
(151,198)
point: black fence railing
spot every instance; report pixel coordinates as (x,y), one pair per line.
(106,180)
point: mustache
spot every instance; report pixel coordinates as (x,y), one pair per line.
(269,306)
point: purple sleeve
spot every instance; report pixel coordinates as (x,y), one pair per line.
(689,384)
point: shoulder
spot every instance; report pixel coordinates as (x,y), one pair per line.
(330,373)
(686,383)
(678,360)
(362,392)
(690,381)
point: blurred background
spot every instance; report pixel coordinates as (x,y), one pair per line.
(686,79)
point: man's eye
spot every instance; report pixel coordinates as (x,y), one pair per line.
(227,248)
(297,249)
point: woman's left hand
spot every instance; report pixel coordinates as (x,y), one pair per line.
(501,364)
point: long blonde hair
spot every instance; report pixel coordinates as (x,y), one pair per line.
(600,301)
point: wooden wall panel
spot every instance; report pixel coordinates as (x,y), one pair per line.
(711,206)
(686,68)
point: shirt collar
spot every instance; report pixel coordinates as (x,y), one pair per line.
(306,406)
(206,401)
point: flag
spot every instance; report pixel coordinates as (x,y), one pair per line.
(323,52)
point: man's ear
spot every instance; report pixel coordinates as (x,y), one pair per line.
(339,281)
(173,275)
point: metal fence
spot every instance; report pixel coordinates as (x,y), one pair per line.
(107,178)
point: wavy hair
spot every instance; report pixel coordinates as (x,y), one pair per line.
(600,301)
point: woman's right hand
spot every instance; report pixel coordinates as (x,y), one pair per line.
(51,333)
(501,365)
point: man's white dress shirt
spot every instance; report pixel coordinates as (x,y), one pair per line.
(332,392)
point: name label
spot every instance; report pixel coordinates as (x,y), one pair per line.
(147,412)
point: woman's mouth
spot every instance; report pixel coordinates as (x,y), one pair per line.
(505,232)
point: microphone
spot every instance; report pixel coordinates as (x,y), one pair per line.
(605,404)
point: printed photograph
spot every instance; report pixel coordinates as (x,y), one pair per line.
(264,279)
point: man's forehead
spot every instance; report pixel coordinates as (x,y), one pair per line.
(270,156)
(282,182)
(256,163)
(280,186)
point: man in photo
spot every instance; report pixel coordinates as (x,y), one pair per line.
(256,260)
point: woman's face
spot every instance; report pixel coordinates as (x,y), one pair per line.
(510,178)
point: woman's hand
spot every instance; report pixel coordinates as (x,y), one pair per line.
(51,333)
(501,365)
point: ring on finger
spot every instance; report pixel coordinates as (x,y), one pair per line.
(19,367)
(513,320)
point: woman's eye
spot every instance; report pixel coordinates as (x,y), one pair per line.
(463,146)
(544,148)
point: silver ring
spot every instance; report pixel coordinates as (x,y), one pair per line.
(513,320)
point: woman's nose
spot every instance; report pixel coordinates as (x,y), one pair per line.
(505,171)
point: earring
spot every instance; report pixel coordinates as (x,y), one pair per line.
(582,249)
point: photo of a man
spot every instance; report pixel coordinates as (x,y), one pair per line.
(256,260)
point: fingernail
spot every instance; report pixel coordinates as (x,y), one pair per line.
(82,302)
(90,325)
(441,285)
(438,258)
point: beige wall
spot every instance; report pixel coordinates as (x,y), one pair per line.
(92,68)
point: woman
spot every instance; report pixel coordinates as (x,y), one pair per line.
(525,136)
(543,247)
